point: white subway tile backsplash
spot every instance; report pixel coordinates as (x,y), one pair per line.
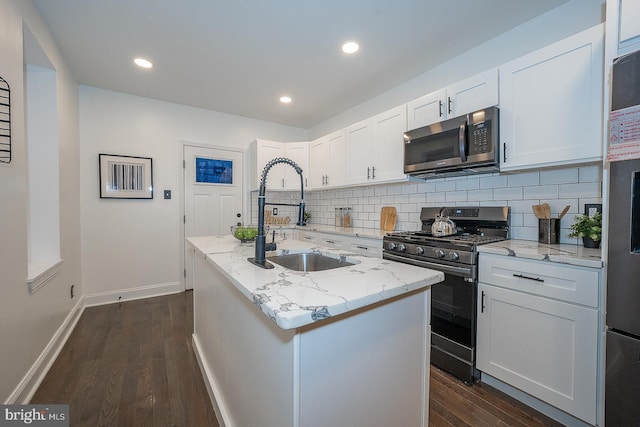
(541,192)
(456,196)
(493,181)
(573,186)
(468,184)
(446,186)
(523,179)
(510,193)
(480,195)
(584,189)
(590,174)
(436,197)
(558,176)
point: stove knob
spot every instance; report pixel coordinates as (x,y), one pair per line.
(402,247)
(454,255)
(419,250)
(391,246)
(440,253)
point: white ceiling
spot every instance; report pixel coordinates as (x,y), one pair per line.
(240,56)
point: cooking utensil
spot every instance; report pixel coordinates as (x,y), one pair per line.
(547,210)
(538,211)
(443,225)
(388,217)
(564,211)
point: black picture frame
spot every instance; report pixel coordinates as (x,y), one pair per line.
(125,177)
(591,209)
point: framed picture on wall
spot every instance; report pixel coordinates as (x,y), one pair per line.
(213,171)
(125,177)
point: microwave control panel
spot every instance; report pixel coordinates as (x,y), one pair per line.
(480,138)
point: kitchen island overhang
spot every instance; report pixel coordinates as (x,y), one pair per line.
(348,346)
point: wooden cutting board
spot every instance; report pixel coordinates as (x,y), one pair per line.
(388,218)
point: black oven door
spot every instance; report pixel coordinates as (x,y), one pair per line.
(453,326)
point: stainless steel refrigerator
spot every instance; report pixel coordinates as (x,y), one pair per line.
(622,377)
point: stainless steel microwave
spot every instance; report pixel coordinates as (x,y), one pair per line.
(462,145)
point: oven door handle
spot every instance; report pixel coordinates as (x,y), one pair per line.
(467,273)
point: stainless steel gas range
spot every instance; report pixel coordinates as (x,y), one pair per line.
(453,301)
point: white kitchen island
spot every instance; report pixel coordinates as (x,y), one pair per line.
(342,347)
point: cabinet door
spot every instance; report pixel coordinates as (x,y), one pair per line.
(299,153)
(475,93)
(388,143)
(267,151)
(427,109)
(337,160)
(543,347)
(359,152)
(551,104)
(319,152)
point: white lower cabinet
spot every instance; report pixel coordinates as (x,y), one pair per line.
(538,330)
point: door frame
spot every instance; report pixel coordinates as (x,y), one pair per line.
(181,194)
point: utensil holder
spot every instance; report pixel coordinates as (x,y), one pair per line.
(549,231)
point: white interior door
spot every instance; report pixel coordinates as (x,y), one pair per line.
(212,194)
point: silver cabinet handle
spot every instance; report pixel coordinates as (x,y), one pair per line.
(327,179)
(482,306)
(282,182)
(368,172)
(440,108)
(373,172)
(449,104)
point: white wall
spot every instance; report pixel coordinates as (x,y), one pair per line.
(28,322)
(136,243)
(563,21)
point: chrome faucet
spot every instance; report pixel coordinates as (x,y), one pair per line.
(261,239)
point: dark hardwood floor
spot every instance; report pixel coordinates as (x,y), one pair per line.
(132,364)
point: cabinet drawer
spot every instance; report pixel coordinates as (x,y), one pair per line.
(332,242)
(573,284)
(308,237)
(366,247)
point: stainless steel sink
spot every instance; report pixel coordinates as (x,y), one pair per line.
(310,261)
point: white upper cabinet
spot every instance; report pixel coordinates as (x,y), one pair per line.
(374,148)
(469,95)
(282,176)
(327,161)
(551,104)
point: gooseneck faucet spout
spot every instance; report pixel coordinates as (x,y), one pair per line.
(261,240)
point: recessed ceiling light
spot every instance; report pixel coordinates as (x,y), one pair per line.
(143,63)
(285,99)
(350,47)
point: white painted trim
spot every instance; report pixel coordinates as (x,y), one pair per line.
(27,387)
(102,298)
(42,273)
(212,389)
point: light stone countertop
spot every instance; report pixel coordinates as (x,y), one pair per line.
(293,299)
(559,253)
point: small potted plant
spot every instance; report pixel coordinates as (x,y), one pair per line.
(589,228)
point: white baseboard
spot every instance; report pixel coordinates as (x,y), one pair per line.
(540,406)
(210,383)
(27,387)
(110,297)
